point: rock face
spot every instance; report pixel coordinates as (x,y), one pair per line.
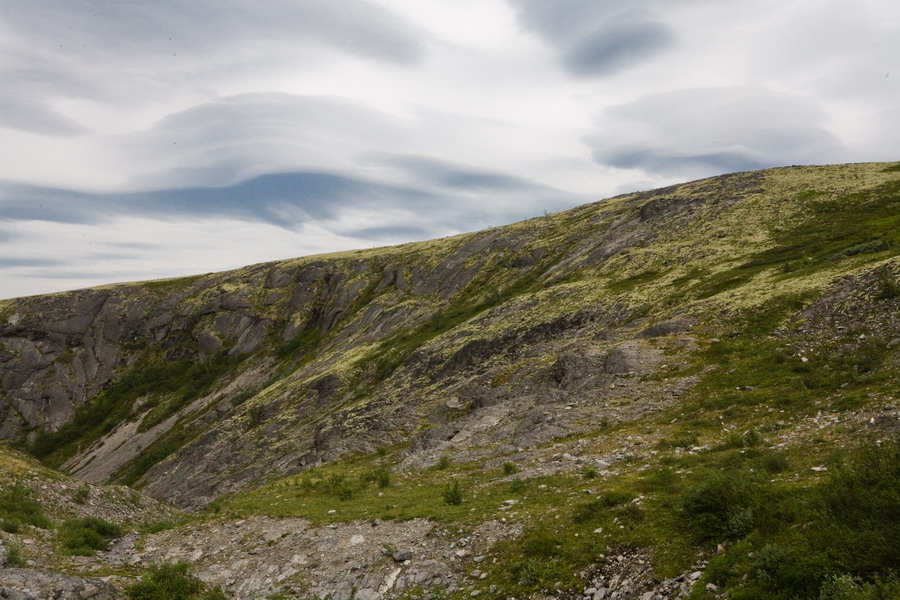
(34,584)
(475,345)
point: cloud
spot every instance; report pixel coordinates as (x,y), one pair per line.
(597,38)
(712,130)
(32,115)
(133,30)
(238,137)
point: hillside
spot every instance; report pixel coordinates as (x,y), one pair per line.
(687,391)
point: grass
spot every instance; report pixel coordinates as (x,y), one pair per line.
(18,508)
(84,537)
(172,582)
(349,490)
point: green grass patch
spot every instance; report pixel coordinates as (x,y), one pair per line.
(18,507)
(172,582)
(84,537)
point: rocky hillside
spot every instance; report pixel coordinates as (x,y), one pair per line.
(682,391)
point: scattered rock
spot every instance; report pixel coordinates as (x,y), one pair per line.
(34,584)
(402,555)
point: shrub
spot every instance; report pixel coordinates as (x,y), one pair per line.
(709,504)
(773,462)
(9,526)
(453,495)
(380,475)
(17,507)
(589,472)
(888,286)
(83,537)
(443,462)
(14,558)
(683,439)
(593,511)
(337,485)
(81,494)
(172,582)
(510,468)
(746,439)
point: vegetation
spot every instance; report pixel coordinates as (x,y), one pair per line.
(172,582)
(732,466)
(83,537)
(18,508)
(167,385)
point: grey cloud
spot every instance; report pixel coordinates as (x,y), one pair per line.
(33,115)
(6,263)
(705,131)
(234,138)
(622,42)
(596,38)
(132,30)
(454,176)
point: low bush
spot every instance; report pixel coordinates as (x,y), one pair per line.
(709,505)
(172,582)
(17,507)
(83,537)
(380,475)
(453,494)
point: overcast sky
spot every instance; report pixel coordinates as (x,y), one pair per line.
(141,140)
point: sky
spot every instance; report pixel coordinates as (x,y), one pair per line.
(143,140)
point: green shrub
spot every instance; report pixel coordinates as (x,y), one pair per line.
(887,284)
(17,507)
(172,582)
(595,510)
(14,558)
(510,468)
(337,485)
(380,475)
(81,494)
(746,439)
(443,462)
(83,537)
(9,526)
(773,462)
(682,439)
(846,587)
(453,495)
(589,472)
(708,505)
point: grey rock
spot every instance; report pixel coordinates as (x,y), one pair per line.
(402,555)
(34,584)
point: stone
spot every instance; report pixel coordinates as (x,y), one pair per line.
(34,584)
(695,575)
(366,594)
(402,555)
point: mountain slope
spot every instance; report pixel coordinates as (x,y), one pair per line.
(751,315)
